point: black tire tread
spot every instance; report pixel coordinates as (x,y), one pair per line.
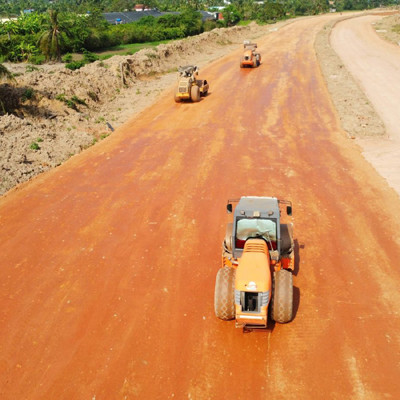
(195,93)
(282,296)
(224,298)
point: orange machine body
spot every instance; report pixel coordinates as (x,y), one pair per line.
(253,284)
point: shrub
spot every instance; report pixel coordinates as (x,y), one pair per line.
(72,102)
(28,94)
(77,100)
(75,65)
(89,57)
(67,58)
(31,68)
(209,25)
(60,97)
(34,146)
(37,59)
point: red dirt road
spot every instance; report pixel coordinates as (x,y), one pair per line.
(108,263)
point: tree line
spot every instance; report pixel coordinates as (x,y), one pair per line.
(49,30)
(34,37)
(297,7)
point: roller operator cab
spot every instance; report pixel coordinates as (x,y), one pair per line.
(257,264)
(250,58)
(189,87)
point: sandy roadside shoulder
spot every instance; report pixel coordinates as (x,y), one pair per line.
(373,63)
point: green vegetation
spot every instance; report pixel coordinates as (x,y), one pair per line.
(75,65)
(72,102)
(5,73)
(244,23)
(28,94)
(53,38)
(34,146)
(127,49)
(67,58)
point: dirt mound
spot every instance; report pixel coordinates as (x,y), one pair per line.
(28,149)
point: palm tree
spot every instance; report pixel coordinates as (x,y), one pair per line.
(50,41)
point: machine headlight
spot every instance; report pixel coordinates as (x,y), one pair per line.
(264,298)
(237,297)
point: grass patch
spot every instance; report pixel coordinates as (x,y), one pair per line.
(28,94)
(34,146)
(244,23)
(73,65)
(37,59)
(127,49)
(72,102)
(77,100)
(31,68)
(121,50)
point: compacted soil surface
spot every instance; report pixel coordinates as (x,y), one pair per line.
(108,261)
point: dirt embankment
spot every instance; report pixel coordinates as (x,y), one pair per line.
(58,112)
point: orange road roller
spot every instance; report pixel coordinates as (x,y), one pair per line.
(257,263)
(250,58)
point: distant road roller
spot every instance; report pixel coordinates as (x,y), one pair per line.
(250,58)
(189,87)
